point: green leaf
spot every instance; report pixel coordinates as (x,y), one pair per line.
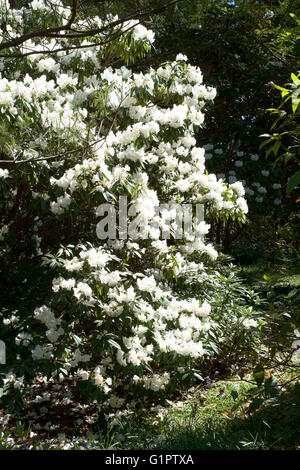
(295,79)
(280,88)
(295,104)
(114,344)
(234,394)
(270,384)
(259,375)
(255,404)
(293,182)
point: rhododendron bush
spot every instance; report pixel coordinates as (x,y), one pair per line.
(76,134)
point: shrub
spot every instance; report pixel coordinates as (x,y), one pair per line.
(77,134)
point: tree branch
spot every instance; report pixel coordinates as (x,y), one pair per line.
(42,33)
(54,32)
(266,47)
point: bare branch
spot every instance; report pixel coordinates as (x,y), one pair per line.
(53,51)
(66,155)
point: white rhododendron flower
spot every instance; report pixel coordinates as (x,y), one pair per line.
(250,323)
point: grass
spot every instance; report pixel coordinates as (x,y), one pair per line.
(283,273)
(219,424)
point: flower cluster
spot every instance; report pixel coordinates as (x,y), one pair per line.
(110,317)
(263,185)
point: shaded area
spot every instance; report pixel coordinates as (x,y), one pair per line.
(276,425)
